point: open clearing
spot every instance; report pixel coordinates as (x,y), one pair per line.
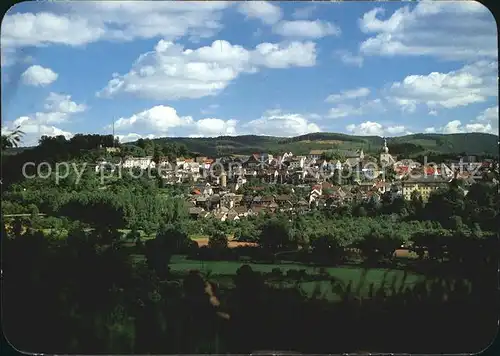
(357,276)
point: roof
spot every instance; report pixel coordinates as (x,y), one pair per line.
(352,161)
(317,152)
(283,197)
(267,199)
(215,198)
(219,215)
(195,210)
(232,215)
(240,209)
(258,209)
(429,179)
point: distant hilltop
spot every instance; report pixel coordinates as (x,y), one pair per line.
(409,145)
(413,145)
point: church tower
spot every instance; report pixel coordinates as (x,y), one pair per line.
(385,158)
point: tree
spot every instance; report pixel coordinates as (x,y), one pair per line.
(12,139)
(275,234)
(218,240)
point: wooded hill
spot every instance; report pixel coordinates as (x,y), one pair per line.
(409,145)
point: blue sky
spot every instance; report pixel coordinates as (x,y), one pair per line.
(269,68)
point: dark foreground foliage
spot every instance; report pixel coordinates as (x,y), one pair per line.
(83,295)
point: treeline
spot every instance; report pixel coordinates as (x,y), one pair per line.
(84,295)
(85,149)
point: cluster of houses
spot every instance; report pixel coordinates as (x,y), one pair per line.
(216,182)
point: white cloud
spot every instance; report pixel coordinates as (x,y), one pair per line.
(394,130)
(304,12)
(349,58)
(28,29)
(38,76)
(433,113)
(477,127)
(277,123)
(62,103)
(485,122)
(473,83)
(267,12)
(212,127)
(452,127)
(165,121)
(489,115)
(364,107)
(131,137)
(348,94)
(159,119)
(367,128)
(77,24)
(34,129)
(370,128)
(432,28)
(293,54)
(306,29)
(59,108)
(344,110)
(172,72)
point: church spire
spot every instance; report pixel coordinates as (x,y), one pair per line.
(385,149)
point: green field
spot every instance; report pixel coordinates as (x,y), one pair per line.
(222,272)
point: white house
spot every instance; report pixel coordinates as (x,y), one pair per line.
(286,157)
(316,154)
(139,162)
(297,162)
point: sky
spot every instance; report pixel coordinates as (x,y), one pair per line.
(205,69)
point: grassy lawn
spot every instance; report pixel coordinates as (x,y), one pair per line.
(221,270)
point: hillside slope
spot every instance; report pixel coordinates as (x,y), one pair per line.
(469,143)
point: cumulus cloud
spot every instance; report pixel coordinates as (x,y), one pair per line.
(370,128)
(278,123)
(59,109)
(165,121)
(470,84)
(38,76)
(172,72)
(213,127)
(34,129)
(367,128)
(77,24)
(158,119)
(131,137)
(265,11)
(394,130)
(432,28)
(485,122)
(306,29)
